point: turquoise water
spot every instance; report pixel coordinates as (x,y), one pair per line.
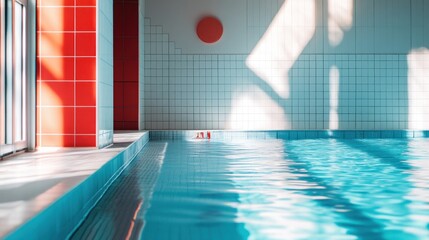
(269,189)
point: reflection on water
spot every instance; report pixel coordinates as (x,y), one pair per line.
(270,189)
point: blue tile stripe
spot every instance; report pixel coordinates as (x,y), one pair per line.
(288,134)
(60,219)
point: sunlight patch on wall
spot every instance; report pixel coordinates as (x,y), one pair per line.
(280,46)
(334,86)
(51,96)
(55,44)
(418,89)
(54,68)
(340,19)
(253,109)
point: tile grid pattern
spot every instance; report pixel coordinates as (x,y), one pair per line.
(140,178)
(373,61)
(66,81)
(186,91)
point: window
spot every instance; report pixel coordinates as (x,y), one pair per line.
(2,75)
(19,79)
(13,77)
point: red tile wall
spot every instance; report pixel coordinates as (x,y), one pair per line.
(126,64)
(66,73)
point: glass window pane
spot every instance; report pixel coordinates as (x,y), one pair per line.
(18,73)
(24,75)
(13,82)
(8,73)
(2,73)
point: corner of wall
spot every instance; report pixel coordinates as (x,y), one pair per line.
(105,72)
(141,63)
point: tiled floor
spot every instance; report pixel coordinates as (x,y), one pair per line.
(30,182)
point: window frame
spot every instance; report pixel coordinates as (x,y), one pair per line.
(12,143)
(2,74)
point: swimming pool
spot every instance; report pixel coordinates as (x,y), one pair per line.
(268,189)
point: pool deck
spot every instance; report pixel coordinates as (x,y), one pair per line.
(31,182)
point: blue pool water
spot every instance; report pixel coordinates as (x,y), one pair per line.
(269,189)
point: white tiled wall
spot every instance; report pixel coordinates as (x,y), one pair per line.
(296,64)
(105,72)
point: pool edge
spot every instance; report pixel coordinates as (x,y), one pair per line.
(65,214)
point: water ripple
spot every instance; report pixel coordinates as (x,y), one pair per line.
(300,189)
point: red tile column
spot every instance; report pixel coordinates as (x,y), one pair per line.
(66,78)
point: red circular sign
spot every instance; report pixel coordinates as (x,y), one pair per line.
(209,29)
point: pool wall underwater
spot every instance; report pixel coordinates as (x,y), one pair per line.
(60,219)
(289,134)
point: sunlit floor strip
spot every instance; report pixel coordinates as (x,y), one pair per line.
(30,182)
